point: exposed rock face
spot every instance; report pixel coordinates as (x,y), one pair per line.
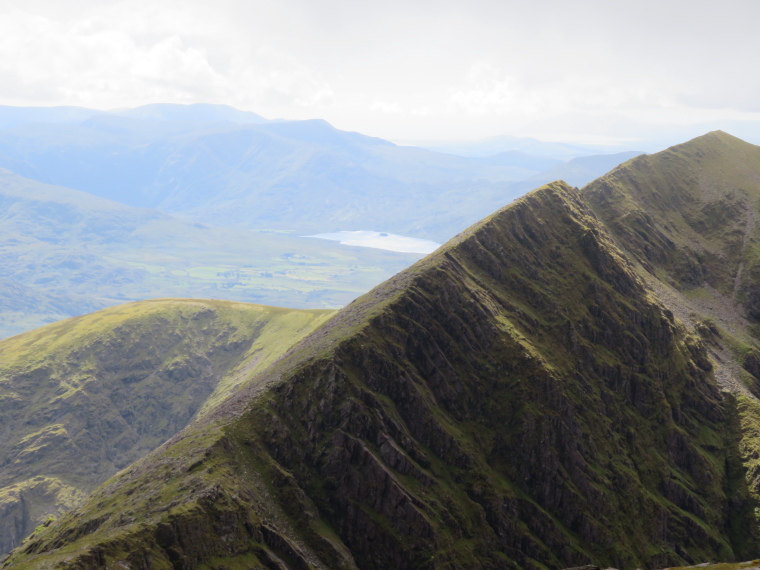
(30,503)
(526,396)
(520,391)
(690,212)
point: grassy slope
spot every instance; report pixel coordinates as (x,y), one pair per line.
(690,211)
(85,397)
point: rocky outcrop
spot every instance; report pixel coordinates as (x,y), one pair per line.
(510,403)
(27,504)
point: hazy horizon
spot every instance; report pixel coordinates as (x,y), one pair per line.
(416,72)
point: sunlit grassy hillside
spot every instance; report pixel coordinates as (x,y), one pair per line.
(82,398)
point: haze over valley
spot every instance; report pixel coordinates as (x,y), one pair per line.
(210,202)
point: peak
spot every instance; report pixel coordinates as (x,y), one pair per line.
(716,154)
(714,141)
(550,198)
(688,212)
(720,135)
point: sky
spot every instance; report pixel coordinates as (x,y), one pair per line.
(407,71)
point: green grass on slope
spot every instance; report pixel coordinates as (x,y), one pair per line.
(690,212)
(82,398)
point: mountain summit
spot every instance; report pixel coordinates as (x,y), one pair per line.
(572,380)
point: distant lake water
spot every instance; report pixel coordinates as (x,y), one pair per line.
(381,240)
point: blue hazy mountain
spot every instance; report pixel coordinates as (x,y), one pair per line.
(577,172)
(297,175)
(196,113)
(521,159)
(217,165)
(511,144)
(12,116)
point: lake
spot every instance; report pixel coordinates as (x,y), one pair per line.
(381,240)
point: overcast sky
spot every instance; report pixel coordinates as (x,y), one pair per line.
(407,70)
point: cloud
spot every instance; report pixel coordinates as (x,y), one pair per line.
(388,69)
(129,54)
(277,78)
(488,90)
(382,106)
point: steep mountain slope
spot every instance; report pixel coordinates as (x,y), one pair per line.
(64,253)
(690,212)
(688,216)
(83,398)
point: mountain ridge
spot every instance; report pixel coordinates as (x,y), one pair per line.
(226,170)
(523,397)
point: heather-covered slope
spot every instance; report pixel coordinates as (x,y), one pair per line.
(518,398)
(83,398)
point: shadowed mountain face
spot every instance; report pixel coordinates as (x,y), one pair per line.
(571,380)
(691,212)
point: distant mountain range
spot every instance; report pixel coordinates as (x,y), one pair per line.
(511,144)
(224,167)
